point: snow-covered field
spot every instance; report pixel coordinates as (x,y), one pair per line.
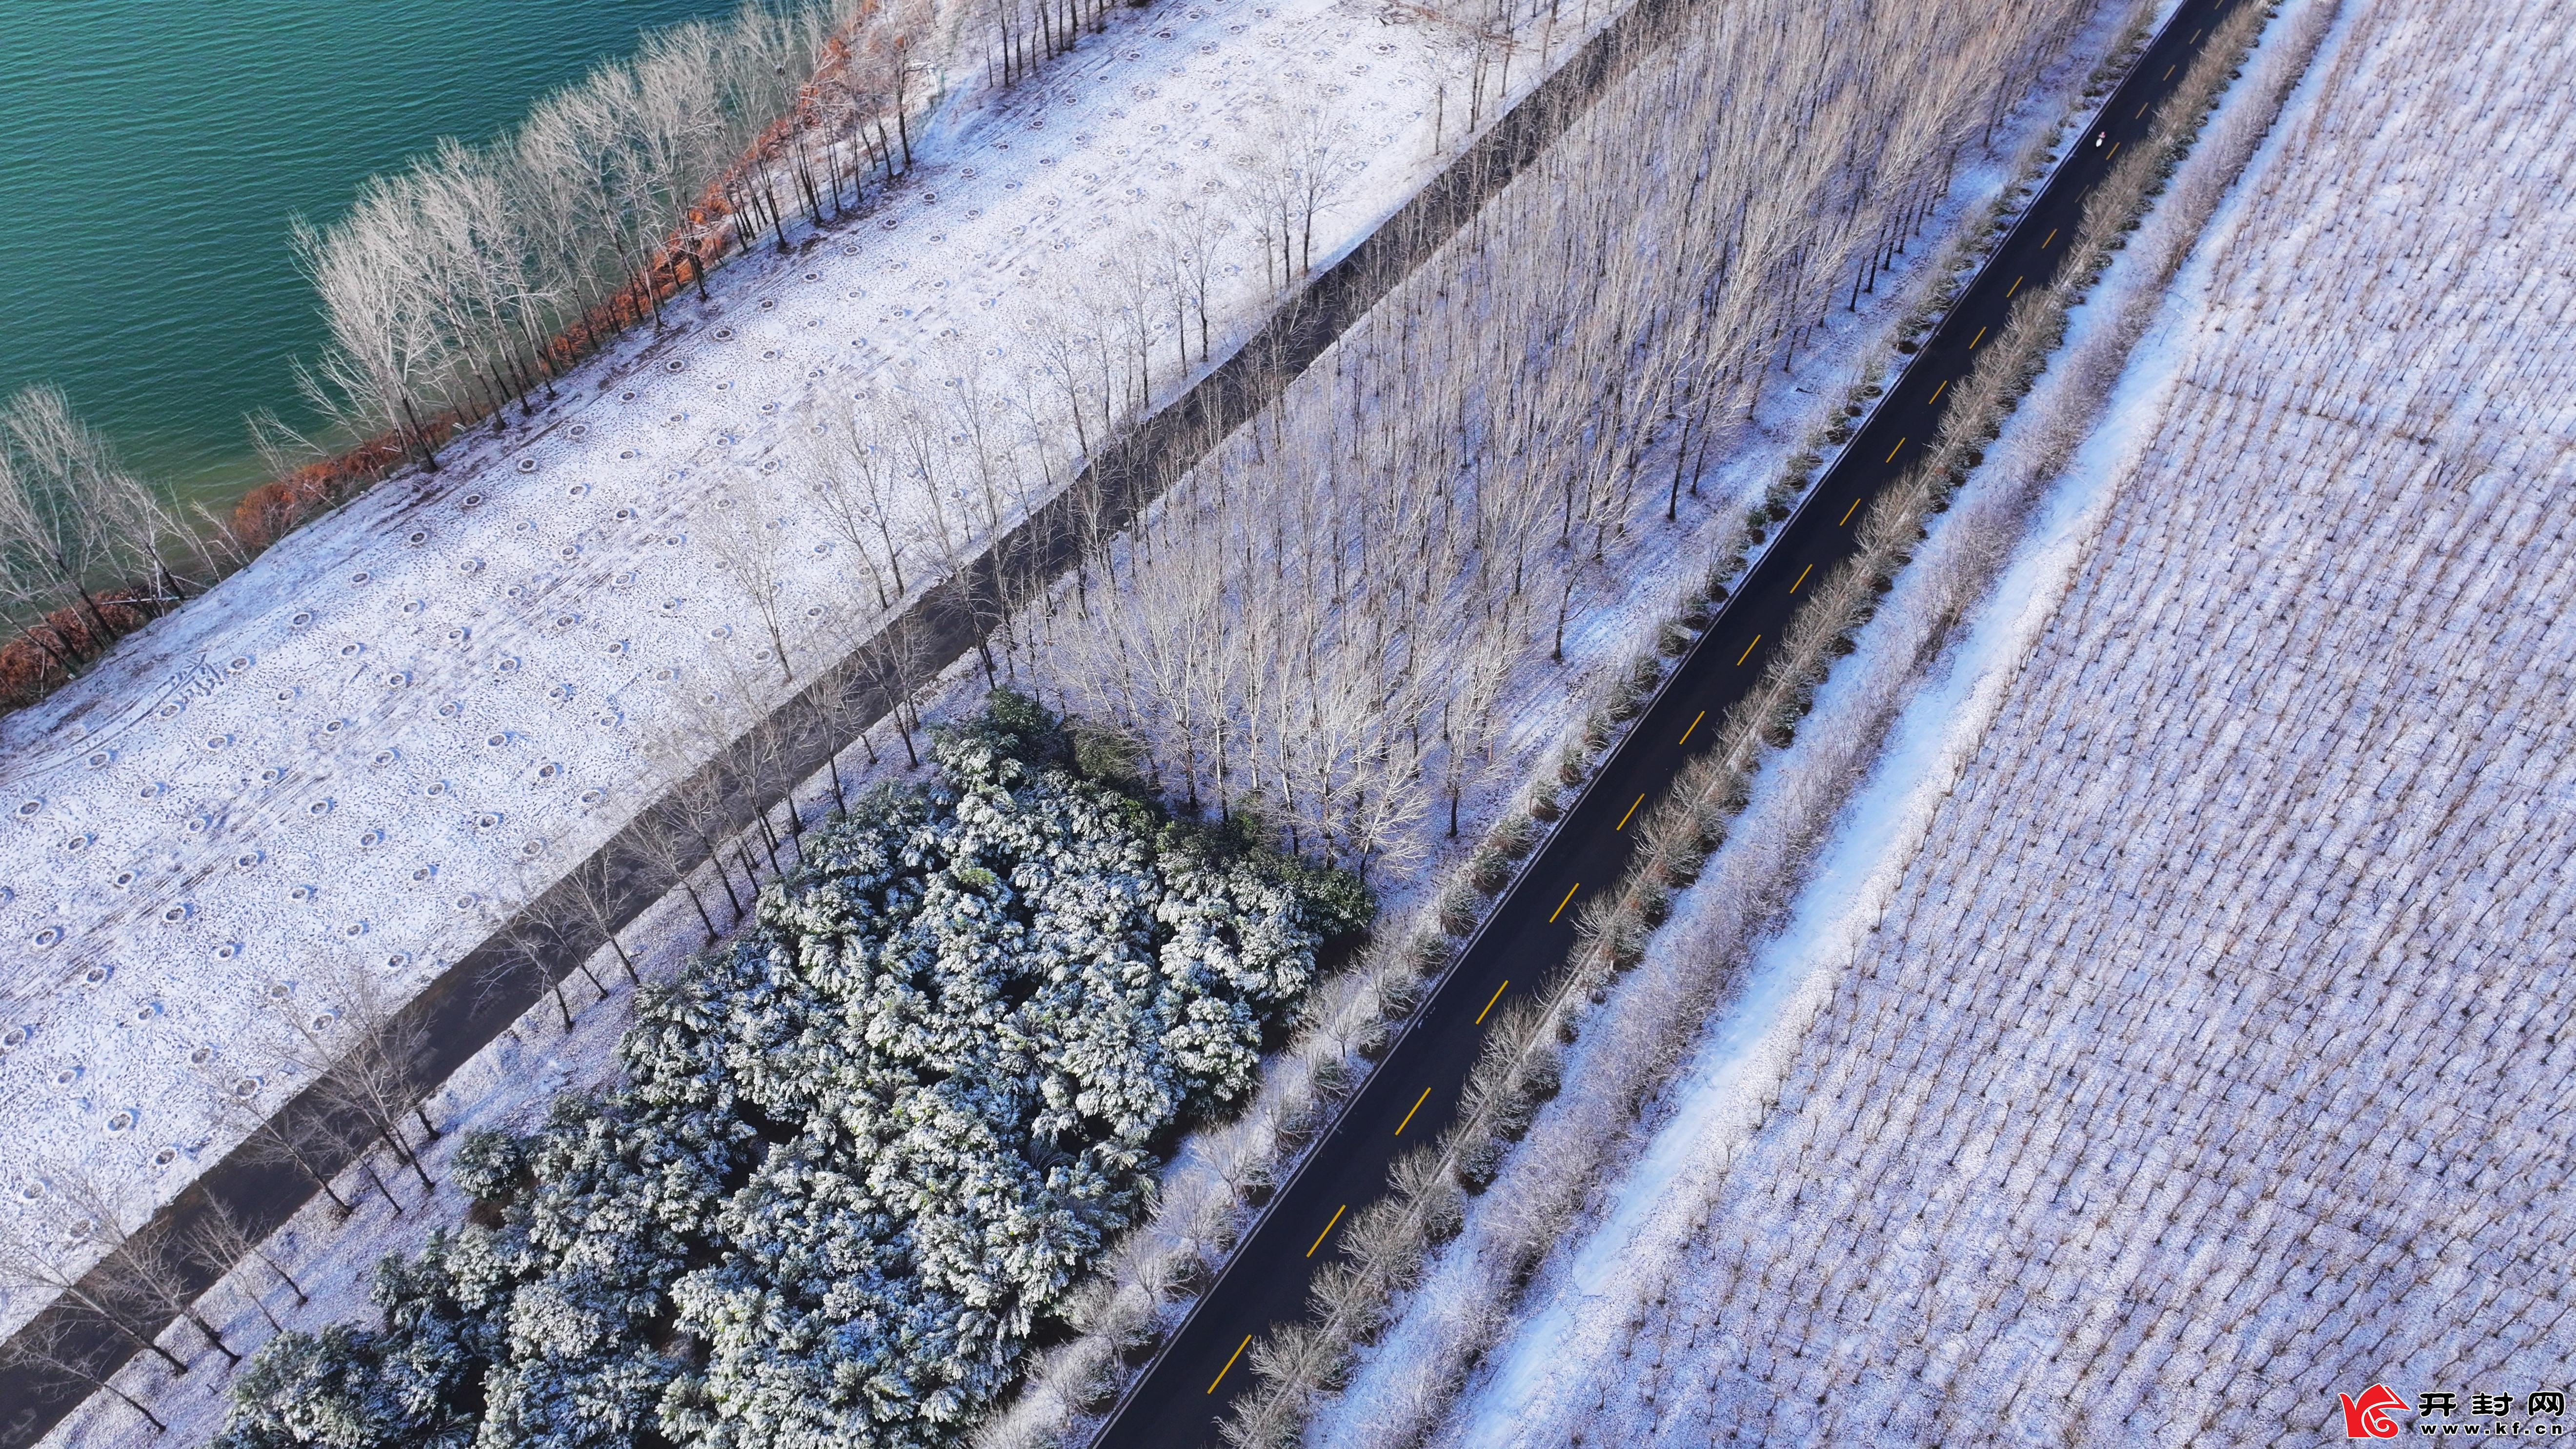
(367,749)
(512,1080)
(2206,1059)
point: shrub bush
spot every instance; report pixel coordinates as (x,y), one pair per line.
(860,1156)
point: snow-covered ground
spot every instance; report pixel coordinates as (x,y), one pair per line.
(2172,1042)
(513,1080)
(364,751)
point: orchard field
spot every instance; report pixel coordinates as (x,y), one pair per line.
(2212,1055)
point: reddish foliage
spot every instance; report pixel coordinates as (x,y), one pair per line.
(32,663)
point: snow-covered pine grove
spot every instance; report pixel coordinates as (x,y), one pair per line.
(859,1156)
(2211,1057)
(353,760)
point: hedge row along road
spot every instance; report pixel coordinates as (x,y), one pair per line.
(491,986)
(1411,1096)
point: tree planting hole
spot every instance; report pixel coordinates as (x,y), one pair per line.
(674,365)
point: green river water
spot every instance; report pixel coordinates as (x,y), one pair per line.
(151,155)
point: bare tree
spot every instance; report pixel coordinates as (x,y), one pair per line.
(591,892)
(223,1244)
(532,943)
(51,1265)
(661,845)
(896,663)
(851,480)
(1194,238)
(149,1268)
(748,543)
(363,1055)
(313,1143)
(51,1345)
(52,544)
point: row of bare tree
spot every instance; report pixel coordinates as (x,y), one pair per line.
(72,521)
(445,283)
(86,1241)
(1321,624)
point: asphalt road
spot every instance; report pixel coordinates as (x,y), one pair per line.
(1412,1096)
